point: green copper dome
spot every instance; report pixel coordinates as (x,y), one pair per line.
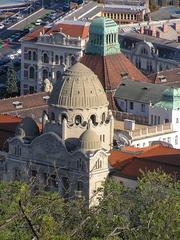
(170,99)
(103,37)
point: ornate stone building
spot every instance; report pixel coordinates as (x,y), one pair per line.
(49,51)
(150,54)
(71,153)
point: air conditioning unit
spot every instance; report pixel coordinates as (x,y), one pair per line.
(129,124)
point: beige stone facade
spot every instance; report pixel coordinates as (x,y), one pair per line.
(71,153)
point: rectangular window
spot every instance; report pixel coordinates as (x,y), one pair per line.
(169,140)
(155,120)
(33,173)
(131,105)
(177,120)
(176,140)
(142,107)
(159,119)
(152,119)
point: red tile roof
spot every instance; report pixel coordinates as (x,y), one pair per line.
(109,70)
(129,161)
(32,105)
(73,30)
(172,77)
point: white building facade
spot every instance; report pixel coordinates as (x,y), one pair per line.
(154,105)
(47,53)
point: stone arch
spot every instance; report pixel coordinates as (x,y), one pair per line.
(93,118)
(78,119)
(64,116)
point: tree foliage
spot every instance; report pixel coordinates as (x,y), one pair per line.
(152,211)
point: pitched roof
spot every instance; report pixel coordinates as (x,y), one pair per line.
(128,163)
(32,105)
(110,68)
(72,29)
(170,77)
(140,91)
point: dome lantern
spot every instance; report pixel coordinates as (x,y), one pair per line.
(103,37)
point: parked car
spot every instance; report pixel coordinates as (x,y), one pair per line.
(38,22)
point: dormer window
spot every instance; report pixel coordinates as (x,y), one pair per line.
(18,104)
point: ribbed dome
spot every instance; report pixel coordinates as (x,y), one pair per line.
(90,140)
(79,88)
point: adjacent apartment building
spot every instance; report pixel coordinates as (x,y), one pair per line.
(151,53)
(48,51)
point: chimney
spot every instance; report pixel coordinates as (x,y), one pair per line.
(165,28)
(177,26)
(152,31)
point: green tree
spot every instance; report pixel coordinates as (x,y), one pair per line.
(11,83)
(152,211)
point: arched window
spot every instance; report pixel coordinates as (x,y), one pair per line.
(31,72)
(34,56)
(73,60)
(93,118)
(45,58)
(52,116)
(61,60)
(29,55)
(63,116)
(58,75)
(45,74)
(78,120)
(103,117)
(57,59)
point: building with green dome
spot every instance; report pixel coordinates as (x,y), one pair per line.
(104,57)
(76,137)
